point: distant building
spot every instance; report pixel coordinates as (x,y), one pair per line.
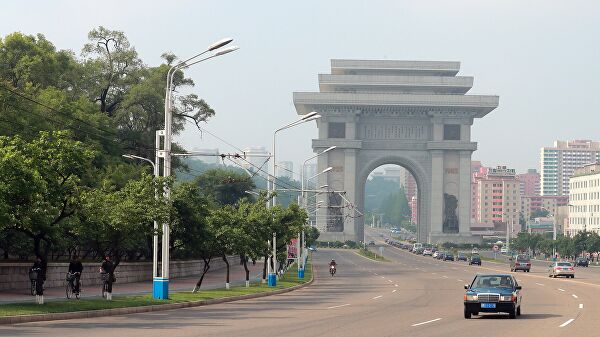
(530,182)
(584,200)
(558,163)
(285,169)
(256,160)
(209,156)
(414,210)
(392,174)
(550,203)
(310,170)
(497,198)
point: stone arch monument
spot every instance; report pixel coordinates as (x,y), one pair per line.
(415,114)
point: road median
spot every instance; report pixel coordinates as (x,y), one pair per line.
(87,308)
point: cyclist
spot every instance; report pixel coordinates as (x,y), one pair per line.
(75,268)
(109,268)
(40,265)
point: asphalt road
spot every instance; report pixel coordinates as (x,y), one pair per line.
(409,296)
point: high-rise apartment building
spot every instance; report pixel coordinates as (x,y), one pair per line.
(584,200)
(559,162)
(285,169)
(530,182)
(256,160)
(498,198)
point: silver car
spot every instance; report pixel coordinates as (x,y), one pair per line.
(561,268)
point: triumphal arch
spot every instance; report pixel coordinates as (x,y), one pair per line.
(415,114)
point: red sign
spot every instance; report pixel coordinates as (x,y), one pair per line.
(495,248)
(292,249)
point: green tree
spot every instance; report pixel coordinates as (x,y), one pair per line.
(224,186)
(119,222)
(40,184)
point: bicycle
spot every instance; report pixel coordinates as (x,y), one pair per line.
(33,275)
(70,285)
(105,278)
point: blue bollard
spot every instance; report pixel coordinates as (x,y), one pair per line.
(272,280)
(301,273)
(160,288)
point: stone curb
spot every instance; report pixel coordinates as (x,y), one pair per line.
(142,309)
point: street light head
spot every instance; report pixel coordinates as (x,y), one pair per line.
(327,169)
(324,186)
(329,149)
(219,44)
(128,156)
(227,50)
(311,118)
(309,115)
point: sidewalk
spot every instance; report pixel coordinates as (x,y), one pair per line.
(214,279)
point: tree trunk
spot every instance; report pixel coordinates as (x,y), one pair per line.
(227,276)
(264,276)
(205,269)
(245,262)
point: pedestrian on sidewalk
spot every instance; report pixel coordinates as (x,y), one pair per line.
(109,268)
(40,266)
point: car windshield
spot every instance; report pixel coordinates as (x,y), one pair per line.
(492,281)
(564,264)
(522,258)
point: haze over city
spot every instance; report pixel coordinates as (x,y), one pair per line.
(525,52)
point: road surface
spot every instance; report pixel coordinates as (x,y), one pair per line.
(409,296)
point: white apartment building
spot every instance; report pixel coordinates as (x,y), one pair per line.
(256,160)
(559,162)
(584,200)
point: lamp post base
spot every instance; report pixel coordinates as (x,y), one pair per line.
(272,279)
(160,288)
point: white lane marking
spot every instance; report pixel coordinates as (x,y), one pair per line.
(466,270)
(339,306)
(445,276)
(376,297)
(434,273)
(561,289)
(433,320)
(395,285)
(390,281)
(539,284)
(393,291)
(459,280)
(574,296)
(383,277)
(376,274)
(566,323)
(580,305)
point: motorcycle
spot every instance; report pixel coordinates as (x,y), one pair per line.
(332,270)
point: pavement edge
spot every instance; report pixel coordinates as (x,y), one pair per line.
(142,309)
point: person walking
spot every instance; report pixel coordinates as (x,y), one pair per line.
(40,266)
(109,268)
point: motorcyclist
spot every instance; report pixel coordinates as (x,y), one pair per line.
(332,265)
(75,268)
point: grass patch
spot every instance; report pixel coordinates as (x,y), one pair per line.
(370,255)
(289,279)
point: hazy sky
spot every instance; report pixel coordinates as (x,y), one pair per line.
(541,57)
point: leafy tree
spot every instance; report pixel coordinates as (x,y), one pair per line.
(539,213)
(40,183)
(311,234)
(224,186)
(119,222)
(223,222)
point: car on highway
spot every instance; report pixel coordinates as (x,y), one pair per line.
(582,262)
(427,252)
(561,268)
(441,255)
(461,257)
(493,293)
(520,262)
(474,251)
(503,250)
(448,257)
(312,248)
(475,259)
(371,243)
(435,254)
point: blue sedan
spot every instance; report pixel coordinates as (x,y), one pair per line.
(496,293)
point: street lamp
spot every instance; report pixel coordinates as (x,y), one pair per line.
(272,281)
(155,233)
(160,285)
(304,168)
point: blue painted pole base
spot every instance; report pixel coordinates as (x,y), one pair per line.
(300,273)
(160,288)
(272,280)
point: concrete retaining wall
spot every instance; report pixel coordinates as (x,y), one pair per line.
(16,275)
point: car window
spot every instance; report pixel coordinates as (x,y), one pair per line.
(493,281)
(564,264)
